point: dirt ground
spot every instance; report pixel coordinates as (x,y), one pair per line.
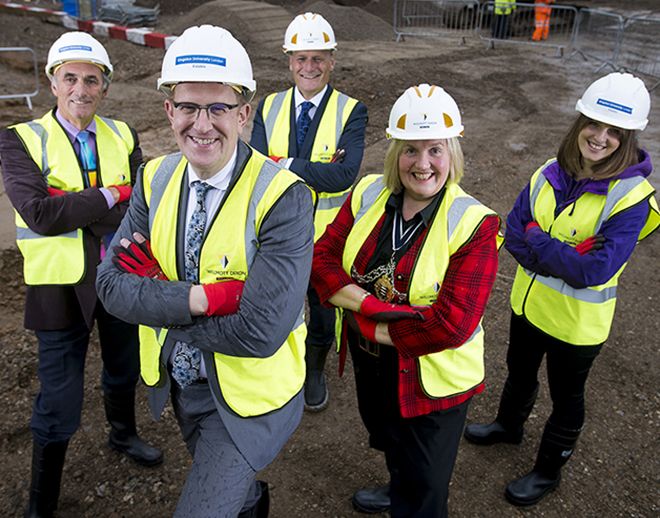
(517,102)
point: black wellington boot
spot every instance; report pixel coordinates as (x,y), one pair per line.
(47,465)
(508,425)
(120,411)
(261,508)
(316,389)
(557,445)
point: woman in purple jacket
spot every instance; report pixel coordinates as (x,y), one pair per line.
(571,230)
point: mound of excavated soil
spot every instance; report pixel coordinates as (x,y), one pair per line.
(210,13)
(350,23)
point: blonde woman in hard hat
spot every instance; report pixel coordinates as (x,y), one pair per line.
(411,259)
(572,230)
(318,133)
(69,174)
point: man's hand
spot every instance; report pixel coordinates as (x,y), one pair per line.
(338,156)
(361,324)
(137,258)
(380,311)
(120,193)
(595,242)
(224,297)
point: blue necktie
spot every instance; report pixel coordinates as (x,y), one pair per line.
(303,122)
(187,358)
(87,157)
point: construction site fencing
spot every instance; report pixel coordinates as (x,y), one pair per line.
(640,47)
(598,37)
(438,18)
(541,25)
(9,53)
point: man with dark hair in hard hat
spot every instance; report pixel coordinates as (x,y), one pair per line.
(214,261)
(318,133)
(68,176)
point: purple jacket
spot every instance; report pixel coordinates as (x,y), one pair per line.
(536,250)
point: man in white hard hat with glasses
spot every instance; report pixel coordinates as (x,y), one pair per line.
(214,260)
(68,176)
(318,133)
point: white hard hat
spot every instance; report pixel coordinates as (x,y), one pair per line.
(425,112)
(617,99)
(309,31)
(207,54)
(77,46)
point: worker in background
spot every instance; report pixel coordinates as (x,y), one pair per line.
(318,133)
(214,261)
(500,27)
(68,176)
(572,231)
(542,12)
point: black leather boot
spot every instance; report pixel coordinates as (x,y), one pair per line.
(47,465)
(508,425)
(120,411)
(372,500)
(492,433)
(316,389)
(261,508)
(557,445)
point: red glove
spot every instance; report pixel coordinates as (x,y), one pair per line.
(224,297)
(361,324)
(275,158)
(380,311)
(531,225)
(124,192)
(139,260)
(52,192)
(595,242)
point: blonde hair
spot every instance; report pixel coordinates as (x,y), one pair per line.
(391,163)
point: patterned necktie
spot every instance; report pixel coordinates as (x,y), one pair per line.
(303,122)
(187,358)
(87,157)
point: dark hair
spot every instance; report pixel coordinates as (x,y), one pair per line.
(570,158)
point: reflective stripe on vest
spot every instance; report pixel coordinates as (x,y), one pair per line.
(250,386)
(579,316)
(452,371)
(60,259)
(277,123)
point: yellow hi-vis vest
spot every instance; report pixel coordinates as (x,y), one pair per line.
(576,316)
(277,121)
(452,371)
(61,259)
(505,6)
(250,386)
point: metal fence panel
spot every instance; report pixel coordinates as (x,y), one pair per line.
(24,95)
(598,37)
(525,25)
(640,47)
(439,18)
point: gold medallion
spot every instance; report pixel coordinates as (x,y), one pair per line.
(384,289)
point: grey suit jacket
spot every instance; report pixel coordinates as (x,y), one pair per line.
(272,299)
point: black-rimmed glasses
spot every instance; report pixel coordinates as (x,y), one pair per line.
(213,111)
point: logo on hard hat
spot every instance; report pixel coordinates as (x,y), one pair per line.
(614,106)
(201,59)
(69,48)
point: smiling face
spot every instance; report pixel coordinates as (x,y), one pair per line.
(311,70)
(598,141)
(423,169)
(79,90)
(206,140)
